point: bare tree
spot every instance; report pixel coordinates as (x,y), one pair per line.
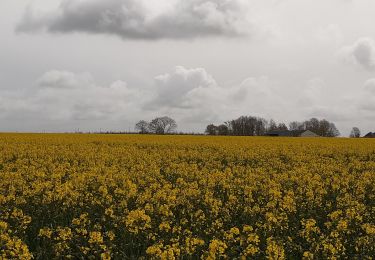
(247,126)
(282,126)
(314,123)
(142,126)
(295,126)
(355,133)
(272,126)
(333,131)
(323,128)
(223,129)
(260,126)
(212,129)
(162,125)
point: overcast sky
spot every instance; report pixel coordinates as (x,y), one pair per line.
(105,64)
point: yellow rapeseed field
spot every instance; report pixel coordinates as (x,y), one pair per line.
(185,197)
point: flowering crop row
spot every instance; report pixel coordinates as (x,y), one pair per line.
(168,197)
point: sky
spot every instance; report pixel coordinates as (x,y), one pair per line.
(91,65)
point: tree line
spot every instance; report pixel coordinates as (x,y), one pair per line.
(257,126)
(246,126)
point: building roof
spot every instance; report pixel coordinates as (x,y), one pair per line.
(370,135)
(279,133)
(309,133)
(299,132)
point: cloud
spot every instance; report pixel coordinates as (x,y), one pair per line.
(367,98)
(315,101)
(347,110)
(361,53)
(370,86)
(192,96)
(330,34)
(138,19)
(196,97)
(178,88)
(64,95)
(64,79)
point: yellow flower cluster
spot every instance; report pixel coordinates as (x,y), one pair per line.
(66,196)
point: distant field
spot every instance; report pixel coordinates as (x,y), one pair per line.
(191,197)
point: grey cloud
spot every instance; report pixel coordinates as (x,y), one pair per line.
(314,101)
(334,113)
(64,79)
(197,97)
(357,108)
(313,93)
(367,98)
(370,86)
(174,89)
(331,34)
(361,53)
(64,95)
(191,96)
(132,19)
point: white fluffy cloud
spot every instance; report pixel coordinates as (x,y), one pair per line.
(196,97)
(138,19)
(176,89)
(63,95)
(191,94)
(361,53)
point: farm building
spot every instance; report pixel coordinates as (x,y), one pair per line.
(293,133)
(370,135)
